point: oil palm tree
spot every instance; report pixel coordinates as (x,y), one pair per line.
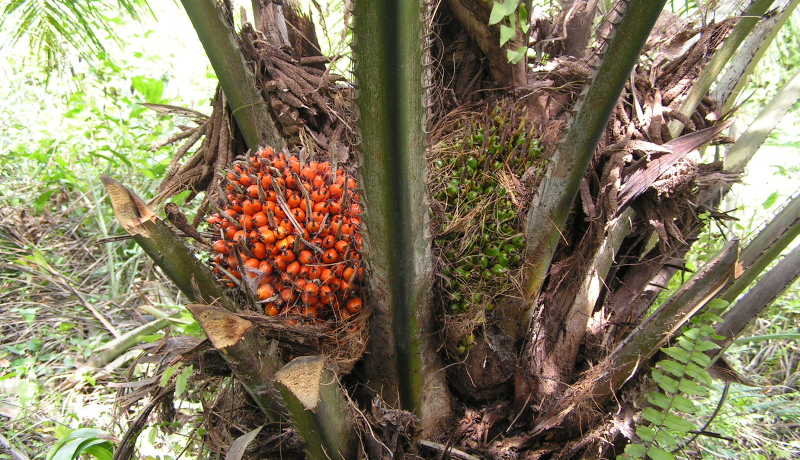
(590,176)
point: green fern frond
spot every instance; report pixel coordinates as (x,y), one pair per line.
(682,372)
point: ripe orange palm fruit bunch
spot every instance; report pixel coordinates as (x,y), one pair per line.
(290,233)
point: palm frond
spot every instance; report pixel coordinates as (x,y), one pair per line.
(56,28)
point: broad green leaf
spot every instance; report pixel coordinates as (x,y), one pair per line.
(646,433)
(692,334)
(701,359)
(497,14)
(514,56)
(57,446)
(168,373)
(506,34)
(666,440)
(706,330)
(686,343)
(716,304)
(659,399)
(653,416)
(67,451)
(181,379)
(683,404)
(656,453)
(87,433)
(523,19)
(692,388)
(677,353)
(76,447)
(705,346)
(676,369)
(698,373)
(666,383)
(635,450)
(27,391)
(150,88)
(180,384)
(510,7)
(101,451)
(675,423)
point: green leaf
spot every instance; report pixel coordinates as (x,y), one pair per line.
(716,304)
(101,451)
(676,369)
(514,56)
(497,14)
(653,416)
(675,423)
(506,34)
(68,451)
(523,19)
(698,373)
(659,399)
(685,343)
(692,334)
(666,440)
(683,404)
(152,436)
(27,391)
(666,383)
(39,259)
(705,346)
(180,384)
(168,373)
(656,453)
(701,359)
(646,433)
(181,379)
(76,447)
(692,388)
(150,88)
(635,450)
(677,353)
(13,5)
(706,330)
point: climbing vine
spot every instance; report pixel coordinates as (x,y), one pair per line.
(507,14)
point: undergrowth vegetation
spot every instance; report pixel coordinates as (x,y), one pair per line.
(70,281)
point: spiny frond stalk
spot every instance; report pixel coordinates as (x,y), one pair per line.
(551,206)
(235,77)
(738,155)
(768,288)
(709,73)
